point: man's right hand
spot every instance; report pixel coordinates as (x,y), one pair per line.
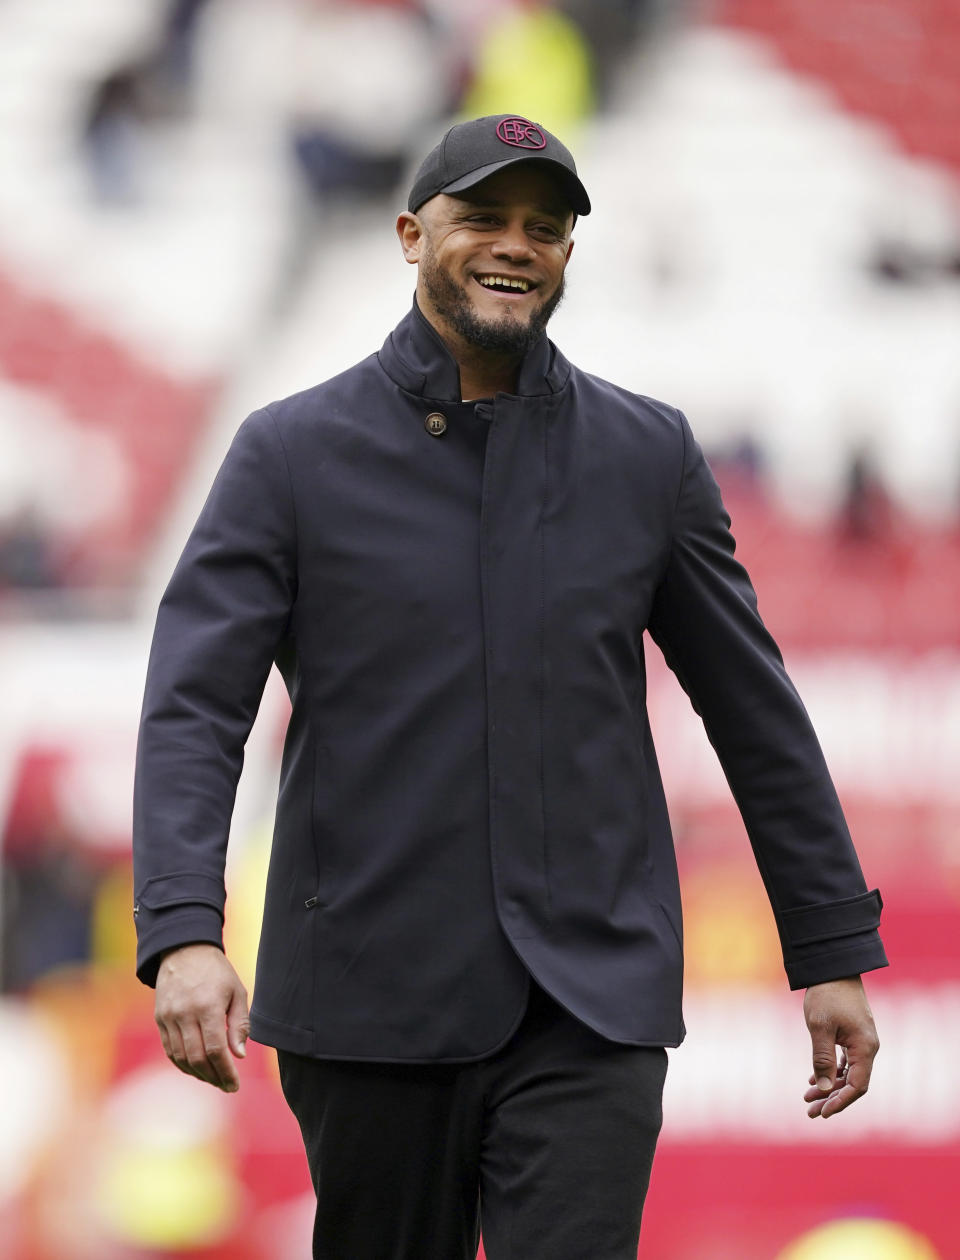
(201,1011)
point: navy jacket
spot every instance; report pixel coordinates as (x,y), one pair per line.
(469,791)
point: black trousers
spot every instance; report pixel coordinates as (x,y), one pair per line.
(548,1143)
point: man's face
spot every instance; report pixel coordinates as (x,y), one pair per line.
(491,261)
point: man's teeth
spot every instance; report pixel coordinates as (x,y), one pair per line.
(501,282)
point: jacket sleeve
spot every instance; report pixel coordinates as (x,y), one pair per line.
(706,623)
(219,625)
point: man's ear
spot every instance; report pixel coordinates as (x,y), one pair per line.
(569,252)
(410,232)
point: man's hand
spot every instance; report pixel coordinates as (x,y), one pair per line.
(838,1014)
(201,1011)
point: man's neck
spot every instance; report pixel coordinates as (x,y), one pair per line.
(483,373)
(487,378)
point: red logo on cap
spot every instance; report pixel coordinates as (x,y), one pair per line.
(521,133)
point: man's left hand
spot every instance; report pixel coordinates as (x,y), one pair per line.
(838,1014)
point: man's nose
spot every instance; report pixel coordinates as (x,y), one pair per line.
(513,243)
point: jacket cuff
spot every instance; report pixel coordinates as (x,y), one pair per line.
(833,940)
(810,925)
(867,954)
(182,908)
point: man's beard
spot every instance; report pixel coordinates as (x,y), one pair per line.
(506,335)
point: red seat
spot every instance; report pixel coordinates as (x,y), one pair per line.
(896,63)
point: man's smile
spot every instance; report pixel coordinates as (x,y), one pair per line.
(505,286)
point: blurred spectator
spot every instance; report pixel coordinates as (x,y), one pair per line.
(26,554)
(174,57)
(48,886)
(740,464)
(47,900)
(48,882)
(371,76)
(902,262)
(150,89)
(866,512)
(534,62)
(61,480)
(612,30)
(111,136)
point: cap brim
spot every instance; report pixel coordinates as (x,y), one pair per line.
(574,190)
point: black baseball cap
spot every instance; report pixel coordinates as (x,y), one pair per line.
(470,151)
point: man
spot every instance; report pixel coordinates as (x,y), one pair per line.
(471,954)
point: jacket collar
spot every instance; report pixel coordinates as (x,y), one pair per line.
(415,357)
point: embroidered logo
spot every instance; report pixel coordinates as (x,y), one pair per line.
(521,133)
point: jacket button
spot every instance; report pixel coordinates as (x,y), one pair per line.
(436,423)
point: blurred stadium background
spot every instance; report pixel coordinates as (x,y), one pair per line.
(196,209)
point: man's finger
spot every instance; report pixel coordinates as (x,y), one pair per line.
(840,1099)
(176,1053)
(815,1108)
(856,1082)
(824,1058)
(214,1035)
(196,1053)
(171,1025)
(165,1040)
(818,1101)
(238,1023)
(853,1080)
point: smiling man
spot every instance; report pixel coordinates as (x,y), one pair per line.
(471,957)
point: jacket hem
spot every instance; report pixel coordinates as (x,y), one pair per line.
(297,1040)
